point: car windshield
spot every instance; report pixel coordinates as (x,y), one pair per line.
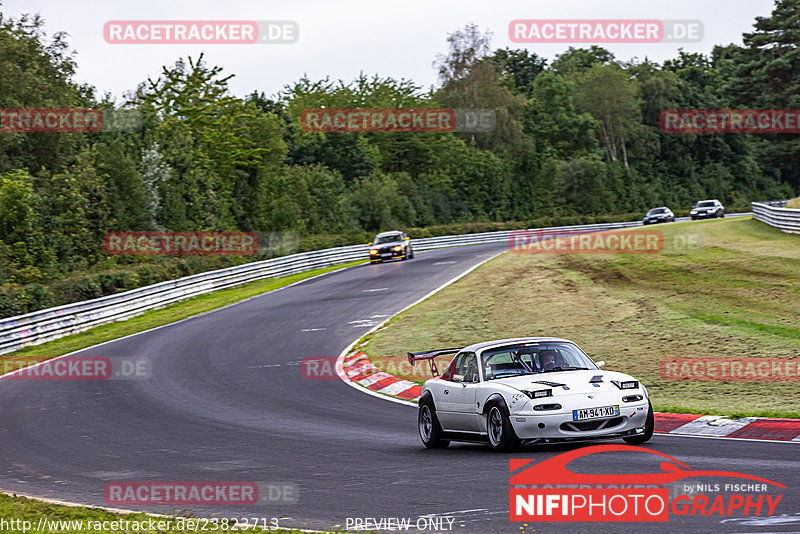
(533,358)
(391,238)
(656,211)
(706,204)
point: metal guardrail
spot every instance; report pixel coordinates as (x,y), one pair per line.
(45,325)
(775,203)
(774,214)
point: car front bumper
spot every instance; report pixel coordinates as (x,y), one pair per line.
(392,254)
(704,215)
(559,425)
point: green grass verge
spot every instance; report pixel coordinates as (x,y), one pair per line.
(154,318)
(16,511)
(736,296)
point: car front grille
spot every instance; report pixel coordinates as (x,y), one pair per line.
(585,426)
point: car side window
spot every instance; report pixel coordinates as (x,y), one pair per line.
(450,371)
(458,368)
(466,369)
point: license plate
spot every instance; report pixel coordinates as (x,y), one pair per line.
(389,255)
(595,413)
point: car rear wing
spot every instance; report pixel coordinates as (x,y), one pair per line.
(430,355)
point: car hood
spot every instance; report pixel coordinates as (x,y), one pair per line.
(577,381)
(389,244)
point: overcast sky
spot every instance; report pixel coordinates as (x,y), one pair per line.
(340,38)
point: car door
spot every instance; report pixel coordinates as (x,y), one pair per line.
(441,390)
(461,397)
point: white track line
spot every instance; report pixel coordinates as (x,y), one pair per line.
(397,388)
(702,426)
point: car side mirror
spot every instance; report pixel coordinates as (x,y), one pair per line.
(601,363)
(369,244)
(407,238)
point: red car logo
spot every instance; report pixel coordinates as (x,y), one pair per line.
(554,470)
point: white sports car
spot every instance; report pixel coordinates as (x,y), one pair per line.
(537,389)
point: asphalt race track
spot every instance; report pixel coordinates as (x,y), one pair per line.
(227,401)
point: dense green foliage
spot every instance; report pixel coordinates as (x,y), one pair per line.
(575,140)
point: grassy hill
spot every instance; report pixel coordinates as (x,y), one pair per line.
(736,296)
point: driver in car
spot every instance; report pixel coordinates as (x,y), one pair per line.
(547,360)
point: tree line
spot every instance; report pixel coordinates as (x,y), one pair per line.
(575,137)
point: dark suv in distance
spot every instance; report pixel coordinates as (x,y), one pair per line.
(389,245)
(706,209)
(658,215)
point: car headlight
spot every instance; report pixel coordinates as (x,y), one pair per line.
(373,251)
(398,248)
(539,393)
(628,384)
(693,212)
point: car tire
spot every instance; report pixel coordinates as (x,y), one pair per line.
(649,427)
(502,437)
(410,253)
(430,431)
